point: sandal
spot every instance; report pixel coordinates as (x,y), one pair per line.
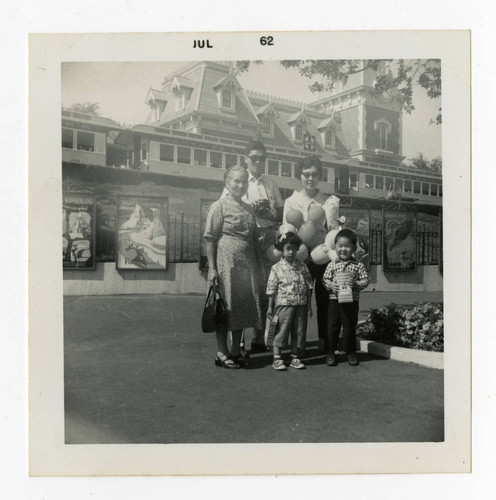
(226,362)
(242,361)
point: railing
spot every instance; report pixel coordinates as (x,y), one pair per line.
(375,251)
(184,238)
(428,248)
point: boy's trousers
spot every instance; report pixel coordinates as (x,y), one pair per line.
(345,315)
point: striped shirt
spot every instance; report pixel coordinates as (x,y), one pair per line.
(356,270)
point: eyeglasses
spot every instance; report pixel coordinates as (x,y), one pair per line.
(313,176)
(256,159)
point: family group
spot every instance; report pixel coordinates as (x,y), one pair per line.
(241,242)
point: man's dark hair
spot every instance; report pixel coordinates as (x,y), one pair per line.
(255,145)
(347,233)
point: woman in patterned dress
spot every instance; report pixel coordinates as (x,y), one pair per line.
(235,264)
(309,171)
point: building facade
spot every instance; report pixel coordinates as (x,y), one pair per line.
(199,123)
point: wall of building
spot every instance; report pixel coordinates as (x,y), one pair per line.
(349,131)
(187,278)
(84,157)
(373,114)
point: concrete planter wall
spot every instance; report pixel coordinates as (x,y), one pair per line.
(424,358)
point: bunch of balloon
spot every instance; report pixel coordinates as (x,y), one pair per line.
(273,254)
(295,218)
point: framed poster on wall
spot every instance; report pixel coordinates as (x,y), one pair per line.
(78,231)
(204,208)
(400,244)
(358,220)
(141,235)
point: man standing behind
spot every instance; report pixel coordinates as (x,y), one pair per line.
(264,196)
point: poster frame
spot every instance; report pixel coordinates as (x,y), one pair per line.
(385,267)
(164,199)
(93,232)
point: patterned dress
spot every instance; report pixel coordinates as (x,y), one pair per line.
(232,225)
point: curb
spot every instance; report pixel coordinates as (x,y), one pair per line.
(424,358)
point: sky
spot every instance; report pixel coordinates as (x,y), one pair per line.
(120,88)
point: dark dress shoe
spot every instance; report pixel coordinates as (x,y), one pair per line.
(352,360)
(331,360)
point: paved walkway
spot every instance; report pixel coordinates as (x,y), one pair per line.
(138,369)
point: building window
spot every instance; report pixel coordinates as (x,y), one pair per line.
(67,138)
(183,155)
(353,181)
(200,157)
(309,142)
(215,159)
(389,183)
(227,99)
(408,186)
(325,174)
(379,182)
(369,181)
(85,141)
(425,188)
(398,185)
(329,138)
(416,187)
(180,102)
(273,167)
(298,133)
(231,160)
(155,113)
(166,152)
(286,170)
(267,126)
(433,189)
(440,191)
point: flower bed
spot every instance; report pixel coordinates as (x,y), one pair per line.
(418,326)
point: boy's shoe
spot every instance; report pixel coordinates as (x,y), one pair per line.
(331,360)
(352,360)
(278,365)
(296,363)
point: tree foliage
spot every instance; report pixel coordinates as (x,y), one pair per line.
(91,108)
(420,162)
(394,77)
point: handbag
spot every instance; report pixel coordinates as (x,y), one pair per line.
(270,330)
(214,314)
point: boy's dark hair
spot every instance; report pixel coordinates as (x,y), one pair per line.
(286,238)
(254,146)
(347,233)
(306,163)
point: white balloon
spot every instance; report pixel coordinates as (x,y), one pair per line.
(333,255)
(286,228)
(302,253)
(320,254)
(273,254)
(331,236)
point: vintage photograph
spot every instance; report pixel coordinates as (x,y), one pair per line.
(306,190)
(253,276)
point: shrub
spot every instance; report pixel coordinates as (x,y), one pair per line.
(420,326)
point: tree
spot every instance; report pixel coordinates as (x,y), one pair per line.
(91,108)
(394,76)
(420,162)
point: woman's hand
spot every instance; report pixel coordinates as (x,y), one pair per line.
(309,310)
(212,277)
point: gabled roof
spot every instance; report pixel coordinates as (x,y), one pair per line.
(267,108)
(326,122)
(156,95)
(297,116)
(229,79)
(181,81)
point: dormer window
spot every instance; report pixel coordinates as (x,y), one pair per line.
(227,99)
(180,102)
(298,132)
(267,126)
(309,142)
(328,128)
(329,138)
(155,113)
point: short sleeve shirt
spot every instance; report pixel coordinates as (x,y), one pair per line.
(290,282)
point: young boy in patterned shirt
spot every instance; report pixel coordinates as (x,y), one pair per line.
(344,313)
(289,289)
